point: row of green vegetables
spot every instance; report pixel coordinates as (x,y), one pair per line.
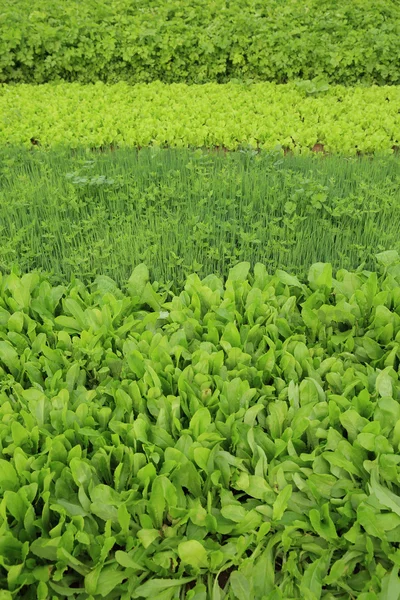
(298,116)
(180,211)
(202,41)
(238,440)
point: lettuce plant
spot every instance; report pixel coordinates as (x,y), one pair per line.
(292,117)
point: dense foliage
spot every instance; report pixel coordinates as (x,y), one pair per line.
(181,211)
(199,41)
(295,116)
(199,428)
(240,435)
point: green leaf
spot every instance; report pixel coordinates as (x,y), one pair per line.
(109,579)
(391,585)
(385,497)
(281,502)
(138,280)
(73,307)
(240,586)
(9,479)
(233,512)
(46,548)
(151,298)
(9,357)
(311,582)
(148,536)
(239,272)
(387,258)
(136,363)
(126,561)
(231,335)
(155,586)
(288,279)
(384,384)
(157,502)
(200,422)
(367,518)
(320,276)
(81,472)
(193,553)
(323,523)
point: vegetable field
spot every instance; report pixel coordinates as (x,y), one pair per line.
(200,41)
(152,442)
(199,300)
(85,213)
(298,117)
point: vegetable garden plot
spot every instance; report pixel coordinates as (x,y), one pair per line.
(296,116)
(200,41)
(200,429)
(151,443)
(180,211)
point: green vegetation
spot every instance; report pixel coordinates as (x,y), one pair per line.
(199,300)
(296,116)
(154,445)
(200,41)
(89,213)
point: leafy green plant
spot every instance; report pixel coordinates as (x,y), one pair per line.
(295,117)
(236,440)
(315,86)
(144,41)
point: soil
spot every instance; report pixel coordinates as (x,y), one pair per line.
(224,577)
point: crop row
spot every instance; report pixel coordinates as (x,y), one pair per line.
(294,116)
(155,445)
(202,41)
(181,211)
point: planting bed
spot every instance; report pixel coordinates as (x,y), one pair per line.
(296,116)
(153,442)
(83,213)
(200,41)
